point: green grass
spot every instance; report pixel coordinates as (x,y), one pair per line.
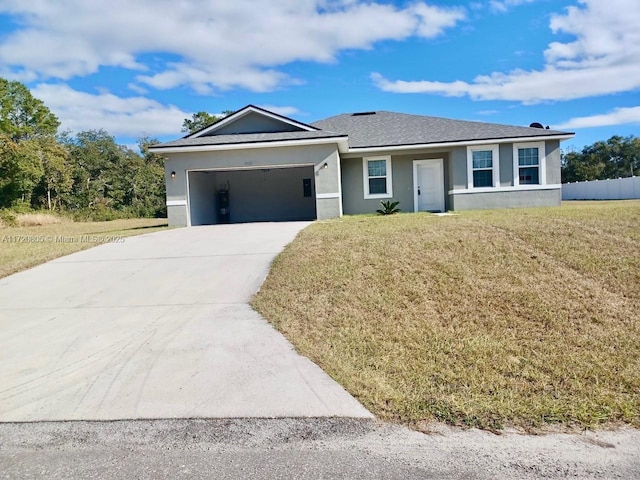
(26,246)
(492,318)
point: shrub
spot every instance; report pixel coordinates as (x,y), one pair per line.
(388,207)
(8,218)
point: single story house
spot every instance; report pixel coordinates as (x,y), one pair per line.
(256,165)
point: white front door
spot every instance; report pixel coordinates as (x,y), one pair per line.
(428,185)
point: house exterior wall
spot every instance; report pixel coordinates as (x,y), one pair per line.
(458,168)
(177,215)
(457,194)
(510,199)
(328,208)
(554,176)
(327,180)
(402,181)
(506,164)
(344,177)
(549,195)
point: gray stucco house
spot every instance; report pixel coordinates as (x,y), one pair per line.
(256,165)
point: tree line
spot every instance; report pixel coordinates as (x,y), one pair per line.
(613,158)
(86,174)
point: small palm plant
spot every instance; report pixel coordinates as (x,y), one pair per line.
(388,207)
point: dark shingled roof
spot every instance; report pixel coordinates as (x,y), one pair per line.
(248,138)
(381,129)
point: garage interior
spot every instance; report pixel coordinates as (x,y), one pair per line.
(267,194)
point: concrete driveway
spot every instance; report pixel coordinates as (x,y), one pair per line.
(157,326)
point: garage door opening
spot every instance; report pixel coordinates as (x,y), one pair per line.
(265,194)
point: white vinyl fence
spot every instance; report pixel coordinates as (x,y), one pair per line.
(616,189)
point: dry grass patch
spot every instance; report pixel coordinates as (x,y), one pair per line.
(38,219)
(26,246)
(511,317)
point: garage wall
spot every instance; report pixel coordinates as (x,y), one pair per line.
(203,197)
(274,194)
(327,184)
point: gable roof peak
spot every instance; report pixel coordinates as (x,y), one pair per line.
(249,109)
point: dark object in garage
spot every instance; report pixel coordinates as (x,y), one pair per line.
(224,215)
(306,187)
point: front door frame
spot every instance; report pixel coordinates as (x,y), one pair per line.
(416,164)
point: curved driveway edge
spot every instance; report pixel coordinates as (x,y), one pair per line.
(158,326)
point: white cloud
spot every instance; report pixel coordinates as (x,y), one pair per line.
(434,20)
(619,116)
(504,5)
(603,59)
(137,88)
(213,45)
(131,116)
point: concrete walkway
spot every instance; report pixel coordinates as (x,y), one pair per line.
(156,327)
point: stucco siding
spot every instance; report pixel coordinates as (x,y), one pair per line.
(402,182)
(552,148)
(326,180)
(402,167)
(176,186)
(177,215)
(328,208)
(505,153)
(458,168)
(252,157)
(510,199)
(459,165)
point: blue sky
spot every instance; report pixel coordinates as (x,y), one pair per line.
(136,68)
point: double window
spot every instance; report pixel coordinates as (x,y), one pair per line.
(483,166)
(377,177)
(528,163)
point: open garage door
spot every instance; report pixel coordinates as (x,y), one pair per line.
(264,194)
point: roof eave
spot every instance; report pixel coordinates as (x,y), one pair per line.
(385,148)
(342,142)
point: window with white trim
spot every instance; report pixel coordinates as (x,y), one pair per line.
(528,164)
(377,177)
(483,166)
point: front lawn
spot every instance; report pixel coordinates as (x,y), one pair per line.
(26,246)
(492,318)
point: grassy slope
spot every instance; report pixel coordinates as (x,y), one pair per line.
(34,247)
(494,318)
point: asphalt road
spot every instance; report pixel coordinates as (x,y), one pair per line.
(304,449)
